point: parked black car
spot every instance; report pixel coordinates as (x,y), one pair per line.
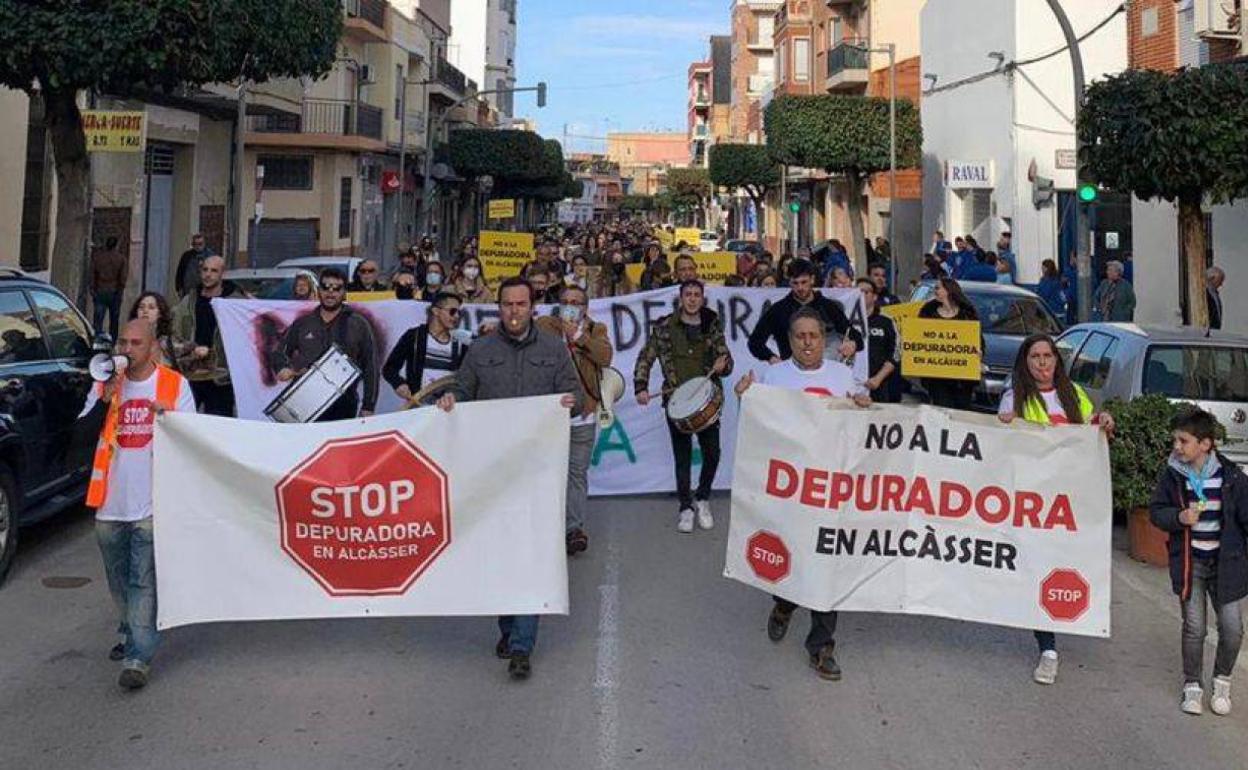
(1007,314)
(45,452)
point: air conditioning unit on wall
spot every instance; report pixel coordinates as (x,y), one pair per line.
(1218,18)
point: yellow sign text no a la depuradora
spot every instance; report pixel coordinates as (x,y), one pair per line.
(502,208)
(940,349)
(714,267)
(692,236)
(504,255)
(114,131)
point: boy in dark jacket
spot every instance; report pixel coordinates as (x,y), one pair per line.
(1202,501)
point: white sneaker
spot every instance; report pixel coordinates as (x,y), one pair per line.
(1046,669)
(1220,701)
(685,523)
(705,519)
(1192,697)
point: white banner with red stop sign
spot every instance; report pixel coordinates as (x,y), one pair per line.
(917,510)
(414,513)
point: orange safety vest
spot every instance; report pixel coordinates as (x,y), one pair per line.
(168,389)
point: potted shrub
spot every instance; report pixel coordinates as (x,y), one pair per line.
(1137,454)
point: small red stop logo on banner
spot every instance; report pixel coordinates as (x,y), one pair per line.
(768,556)
(1064,594)
(366,515)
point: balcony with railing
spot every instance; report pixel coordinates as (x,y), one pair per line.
(449,83)
(848,66)
(320,123)
(701,99)
(366,19)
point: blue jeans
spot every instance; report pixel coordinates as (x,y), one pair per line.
(521,631)
(1196,618)
(102,302)
(130,566)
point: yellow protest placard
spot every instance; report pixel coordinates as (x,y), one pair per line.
(634,270)
(369,296)
(504,255)
(715,266)
(902,311)
(944,350)
(664,238)
(503,208)
(690,235)
(114,131)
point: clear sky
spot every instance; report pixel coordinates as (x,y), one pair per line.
(612,65)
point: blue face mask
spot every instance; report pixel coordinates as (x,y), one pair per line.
(434,279)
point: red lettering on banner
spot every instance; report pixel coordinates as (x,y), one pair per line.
(992,504)
(774,469)
(814,482)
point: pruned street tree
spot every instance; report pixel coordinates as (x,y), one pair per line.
(846,136)
(59,50)
(748,167)
(690,189)
(1181,137)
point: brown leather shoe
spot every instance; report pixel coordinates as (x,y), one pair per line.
(577,542)
(824,663)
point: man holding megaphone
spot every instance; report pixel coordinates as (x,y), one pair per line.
(130,391)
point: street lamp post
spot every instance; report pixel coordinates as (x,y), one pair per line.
(891,50)
(1083,251)
(426,203)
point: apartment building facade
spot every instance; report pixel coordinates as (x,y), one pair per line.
(483,46)
(644,158)
(1165,36)
(752,64)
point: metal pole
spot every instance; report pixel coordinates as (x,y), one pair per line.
(892,165)
(398,213)
(236,213)
(1083,256)
(783,219)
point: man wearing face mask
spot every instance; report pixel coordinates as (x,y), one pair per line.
(590,347)
(427,352)
(613,281)
(435,278)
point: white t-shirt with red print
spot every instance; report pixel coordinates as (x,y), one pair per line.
(1052,405)
(832,379)
(129,495)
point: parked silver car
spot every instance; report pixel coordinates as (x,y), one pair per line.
(1119,360)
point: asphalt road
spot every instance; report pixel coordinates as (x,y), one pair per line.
(662,664)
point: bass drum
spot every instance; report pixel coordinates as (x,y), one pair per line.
(429,395)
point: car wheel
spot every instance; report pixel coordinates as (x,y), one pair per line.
(8,523)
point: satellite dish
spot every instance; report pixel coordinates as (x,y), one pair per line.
(104,366)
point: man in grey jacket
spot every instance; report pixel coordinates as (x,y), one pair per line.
(517,361)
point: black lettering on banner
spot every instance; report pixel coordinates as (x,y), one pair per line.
(919,544)
(739,314)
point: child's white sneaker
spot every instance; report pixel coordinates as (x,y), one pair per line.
(1193,696)
(1220,701)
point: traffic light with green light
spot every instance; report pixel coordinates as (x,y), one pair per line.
(795,206)
(1088,192)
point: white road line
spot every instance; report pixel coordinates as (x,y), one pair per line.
(607,662)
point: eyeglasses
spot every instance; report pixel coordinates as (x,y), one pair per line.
(333,287)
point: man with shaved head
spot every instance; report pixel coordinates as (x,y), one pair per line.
(194,321)
(121,488)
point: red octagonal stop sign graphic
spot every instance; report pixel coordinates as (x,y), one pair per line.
(1064,594)
(365,515)
(768,556)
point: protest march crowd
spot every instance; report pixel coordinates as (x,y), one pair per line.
(173,359)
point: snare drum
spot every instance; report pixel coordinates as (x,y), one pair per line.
(696,405)
(307,398)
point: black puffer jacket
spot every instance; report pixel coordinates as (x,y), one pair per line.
(1232,552)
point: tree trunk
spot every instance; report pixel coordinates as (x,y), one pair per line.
(1192,232)
(853,205)
(73,194)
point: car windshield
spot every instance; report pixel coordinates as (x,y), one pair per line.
(267,288)
(1201,372)
(1014,316)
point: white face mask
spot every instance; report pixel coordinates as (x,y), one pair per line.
(434,279)
(471,273)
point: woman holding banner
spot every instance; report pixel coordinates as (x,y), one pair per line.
(1043,394)
(950,304)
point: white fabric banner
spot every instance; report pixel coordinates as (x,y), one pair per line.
(402,514)
(633,457)
(912,509)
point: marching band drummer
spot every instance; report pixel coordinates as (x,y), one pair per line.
(310,336)
(688,344)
